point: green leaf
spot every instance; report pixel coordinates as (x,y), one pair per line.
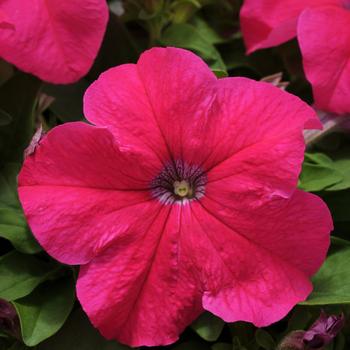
(207,31)
(220,73)
(78,334)
(195,3)
(17,99)
(318,173)
(318,158)
(208,326)
(265,340)
(188,37)
(332,282)
(316,178)
(321,172)
(181,10)
(342,165)
(44,312)
(13,225)
(14,228)
(20,274)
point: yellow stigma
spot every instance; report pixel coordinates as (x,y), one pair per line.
(182,188)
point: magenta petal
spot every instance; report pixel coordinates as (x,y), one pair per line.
(180,88)
(160,104)
(118,100)
(285,227)
(171,105)
(81,155)
(6,24)
(257,139)
(324,38)
(79,191)
(55,40)
(259,173)
(255,272)
(268,23)
(142,292)
(74,224)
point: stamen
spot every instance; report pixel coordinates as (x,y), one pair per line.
(182,188)
(179,182)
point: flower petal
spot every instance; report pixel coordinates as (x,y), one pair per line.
(295,229)
(180,88)
(243,278)
(118,100)
(80,155)
(145,282)
(257,139)
(187,112)
(79,191)
(324,38)
(268,23)
(75,224)
(5,23)
(54,40)
(160,103)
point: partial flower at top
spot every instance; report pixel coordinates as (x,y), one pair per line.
(54,40)
(180,198)
(323,31)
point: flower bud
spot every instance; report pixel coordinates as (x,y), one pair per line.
(9,322)
(323,331)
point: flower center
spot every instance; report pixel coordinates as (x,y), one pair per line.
(182,188)
(179,182)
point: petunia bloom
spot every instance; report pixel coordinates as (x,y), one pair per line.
(179,198)
(55,40)
(323,31)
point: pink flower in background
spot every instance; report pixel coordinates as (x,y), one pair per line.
(181,197)
(323,31)
(55,40)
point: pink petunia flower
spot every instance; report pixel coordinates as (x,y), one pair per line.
(323,31)
(181,197)
(55,40)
